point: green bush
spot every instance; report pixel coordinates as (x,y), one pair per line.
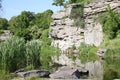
(77,14)
(12,54)
(47,52)
(112,64)
(111,59)
(33,53)
(3,24)
(110,21)
(87,53)
(45,37)
(29,25)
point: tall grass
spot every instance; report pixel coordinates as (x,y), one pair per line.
(112,58)
(12,53)
(47,52)
(33,53)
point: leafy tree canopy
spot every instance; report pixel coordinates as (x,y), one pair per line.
(66,2)
(30,25)
(111,23)
(19,25)
(3,23)
(58,2)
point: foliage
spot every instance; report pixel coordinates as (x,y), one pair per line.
(66,2)
(19,25)
(47,52)
(33,53)
(112,58)
(3,24)
(87,53)
(77,14)
(80,1)
(111,23)
(12,54)
(43,20)
(35,32)
(45,37)
(58,2)
(29,25)
(5,76)
(112,64)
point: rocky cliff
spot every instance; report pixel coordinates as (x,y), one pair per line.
(65,34)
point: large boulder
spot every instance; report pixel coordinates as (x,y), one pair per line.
(33,73)
(66,72)
(95,69)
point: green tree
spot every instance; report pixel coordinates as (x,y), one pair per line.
(66,2)
(3,23)
(40,23)
(43,20)
(111,23)
(58,2)
(73,1)
(19,25)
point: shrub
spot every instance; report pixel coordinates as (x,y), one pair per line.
(3,24)
(77,14)
(12,54)
(111,59)
(33,53)
(110,21)
(47,52)
(111,66)
(45,37)
(87,53)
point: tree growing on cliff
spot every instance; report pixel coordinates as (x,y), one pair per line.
(58,2)
(110,22)
(66,2)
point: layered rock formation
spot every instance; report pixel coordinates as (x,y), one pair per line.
(65,34)
(63,31)
(93,29)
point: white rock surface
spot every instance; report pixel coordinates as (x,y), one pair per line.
(5,35)
(65,34)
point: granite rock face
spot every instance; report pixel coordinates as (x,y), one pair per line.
(65,34)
